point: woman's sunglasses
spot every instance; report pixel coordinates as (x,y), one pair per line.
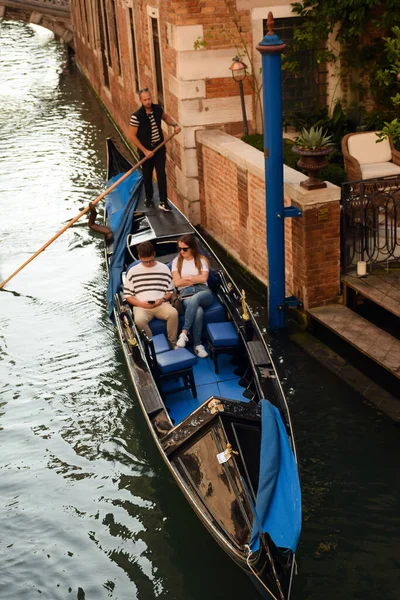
(183,248)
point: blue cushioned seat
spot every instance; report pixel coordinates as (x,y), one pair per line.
(222,339)
(171,364)
(175,360)
(222,334)
(160,343)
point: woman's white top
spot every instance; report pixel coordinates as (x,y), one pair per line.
(189,268)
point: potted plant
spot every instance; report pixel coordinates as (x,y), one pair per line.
(313,146)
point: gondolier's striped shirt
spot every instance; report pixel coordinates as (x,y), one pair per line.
(148,283)
(155,134)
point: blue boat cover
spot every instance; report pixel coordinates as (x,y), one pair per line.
(278,504)
(120,206)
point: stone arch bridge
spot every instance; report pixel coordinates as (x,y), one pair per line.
(52,14)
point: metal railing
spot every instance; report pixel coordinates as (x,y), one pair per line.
(370,222)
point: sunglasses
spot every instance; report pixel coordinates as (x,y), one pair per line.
(183,248)
(143,90)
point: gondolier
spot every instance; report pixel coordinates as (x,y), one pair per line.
(146,134)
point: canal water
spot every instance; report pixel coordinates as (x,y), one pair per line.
(88,509)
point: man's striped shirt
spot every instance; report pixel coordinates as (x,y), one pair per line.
(155,134)
(148,283)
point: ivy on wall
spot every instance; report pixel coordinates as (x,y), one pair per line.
(359,27)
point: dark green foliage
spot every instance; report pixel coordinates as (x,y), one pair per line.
(333,172)
(354,16)
(355,19)
(256,140)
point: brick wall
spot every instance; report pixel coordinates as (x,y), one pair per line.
(232,199)
(232,204)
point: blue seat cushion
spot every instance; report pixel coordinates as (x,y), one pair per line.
(222,335)
(213,314)
(160,343)
(175,360)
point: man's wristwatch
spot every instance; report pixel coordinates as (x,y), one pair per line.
(174,124)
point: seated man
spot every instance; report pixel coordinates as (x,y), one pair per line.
(148,288)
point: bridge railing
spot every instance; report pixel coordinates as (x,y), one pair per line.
(370,221)
(54,5)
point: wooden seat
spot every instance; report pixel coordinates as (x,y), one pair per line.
(367,158)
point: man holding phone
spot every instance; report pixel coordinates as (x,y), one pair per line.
(148,288)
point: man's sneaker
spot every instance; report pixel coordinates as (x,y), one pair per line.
(148,203)
(182,340)
(201,351)
(165,206)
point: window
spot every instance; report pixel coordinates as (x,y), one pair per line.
(304,90)
(103,42)
(157,61)
(134,55)
(115,36)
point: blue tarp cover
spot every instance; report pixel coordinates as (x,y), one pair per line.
(120,206)
(278,504)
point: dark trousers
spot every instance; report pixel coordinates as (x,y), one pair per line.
(157,162)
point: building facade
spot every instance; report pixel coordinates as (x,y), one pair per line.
(182,51)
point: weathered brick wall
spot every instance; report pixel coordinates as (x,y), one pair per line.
(316,253)
(233,210)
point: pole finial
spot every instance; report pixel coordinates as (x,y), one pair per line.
(270,23)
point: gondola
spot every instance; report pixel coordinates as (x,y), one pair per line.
(221,424)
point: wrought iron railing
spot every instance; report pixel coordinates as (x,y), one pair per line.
(370,221)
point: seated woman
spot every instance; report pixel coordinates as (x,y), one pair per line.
(190,273)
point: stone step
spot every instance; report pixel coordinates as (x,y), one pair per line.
(380,287)
(360,333)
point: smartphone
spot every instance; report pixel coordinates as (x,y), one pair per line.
(151,301)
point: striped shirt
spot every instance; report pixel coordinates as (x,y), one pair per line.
(155,134)
(148,283)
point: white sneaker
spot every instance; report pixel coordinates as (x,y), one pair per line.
(201,351)
(182,340)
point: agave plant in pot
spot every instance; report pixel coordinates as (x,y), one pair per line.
(313,146)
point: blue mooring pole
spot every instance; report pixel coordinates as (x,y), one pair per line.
(271,48)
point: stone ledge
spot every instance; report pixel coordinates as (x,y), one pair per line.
(250,158)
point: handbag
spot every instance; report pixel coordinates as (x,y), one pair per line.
(178,304)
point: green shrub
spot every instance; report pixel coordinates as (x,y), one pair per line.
(256,140)
(333,172)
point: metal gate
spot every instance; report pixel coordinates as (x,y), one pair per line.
(370,222)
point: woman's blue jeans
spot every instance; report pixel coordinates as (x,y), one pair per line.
(194,312)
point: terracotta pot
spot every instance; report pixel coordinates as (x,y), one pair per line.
(312,161)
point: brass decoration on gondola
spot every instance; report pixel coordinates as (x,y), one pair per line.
(229,451)
(245,312)
(224,456)
(132,341)
(215,405)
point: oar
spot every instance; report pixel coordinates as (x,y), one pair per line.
(83,212)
